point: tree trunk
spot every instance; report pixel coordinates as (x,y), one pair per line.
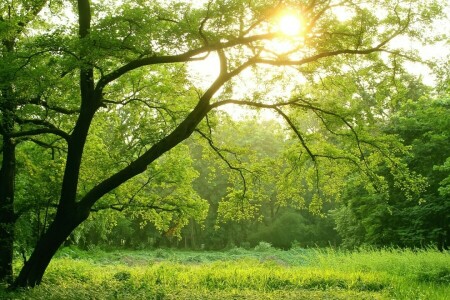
(7,215)
(33,270)
(7,179)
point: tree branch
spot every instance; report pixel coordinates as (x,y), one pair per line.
(314,58)
(43,103)
(120,207)
(230,166)
(202,24)
(44,144)
(188,56)
(39,131)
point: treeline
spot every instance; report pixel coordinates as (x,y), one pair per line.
(256,188)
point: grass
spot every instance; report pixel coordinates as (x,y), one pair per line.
(263,273)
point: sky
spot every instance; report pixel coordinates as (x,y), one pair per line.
(203,73)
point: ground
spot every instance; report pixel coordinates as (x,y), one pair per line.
(261,273)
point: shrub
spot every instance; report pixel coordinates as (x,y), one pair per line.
(263,246)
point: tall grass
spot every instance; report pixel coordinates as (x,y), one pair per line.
(244,274)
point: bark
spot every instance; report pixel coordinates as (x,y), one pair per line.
(8,164)
(69,214)
(33,270)
(7,215)
(7,179)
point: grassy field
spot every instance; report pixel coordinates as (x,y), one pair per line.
(261,273)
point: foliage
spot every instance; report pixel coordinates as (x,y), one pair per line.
(294,228)
(411,220)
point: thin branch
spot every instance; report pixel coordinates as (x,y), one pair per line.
(43,103)
(229,164)
(277,109)
(35,122)
(355,134)
(202,24)
(314,20)
(120,207)
(43,144)
(297,133)
(251,103)
(49,128)
(167,20)
(263,18)
(149,179)
(314,58)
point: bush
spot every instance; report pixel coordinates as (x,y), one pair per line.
(263,247)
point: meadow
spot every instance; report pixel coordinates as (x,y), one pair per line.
(259,273)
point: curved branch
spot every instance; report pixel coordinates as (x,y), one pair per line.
(278,110)
(43,144)
(202,24)
(43,103)
(297,133)
(35,122)
(230,166)
(188,56)
(250,103)
(39,131)
(120,207)
(314,58)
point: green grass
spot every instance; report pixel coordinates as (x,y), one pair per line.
(244,274)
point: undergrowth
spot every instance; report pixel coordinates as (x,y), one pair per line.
(263,273)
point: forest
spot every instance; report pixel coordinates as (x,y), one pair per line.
(224,149)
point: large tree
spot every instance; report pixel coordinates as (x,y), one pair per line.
(131,57)
(13,24)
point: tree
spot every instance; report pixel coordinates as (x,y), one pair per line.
(118,56)
(393,218)
(13,23)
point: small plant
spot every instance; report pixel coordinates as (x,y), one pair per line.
(161,253)
(296,245)
(245,245)
(236,251)
(263,247)
(122,276)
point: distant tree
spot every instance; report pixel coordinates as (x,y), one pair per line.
(394,218)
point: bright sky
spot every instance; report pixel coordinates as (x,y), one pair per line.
(205,72)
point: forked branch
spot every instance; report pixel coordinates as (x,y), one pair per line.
(219,153)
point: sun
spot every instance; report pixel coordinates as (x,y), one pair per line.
(290,24)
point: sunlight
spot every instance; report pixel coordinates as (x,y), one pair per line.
(289,27)
(202,75)
(204,72)
(343,14)
(290,24)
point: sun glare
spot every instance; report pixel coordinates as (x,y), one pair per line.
(290,24)
(204,72)
(343,14)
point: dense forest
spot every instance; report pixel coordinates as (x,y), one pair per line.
(330,129)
